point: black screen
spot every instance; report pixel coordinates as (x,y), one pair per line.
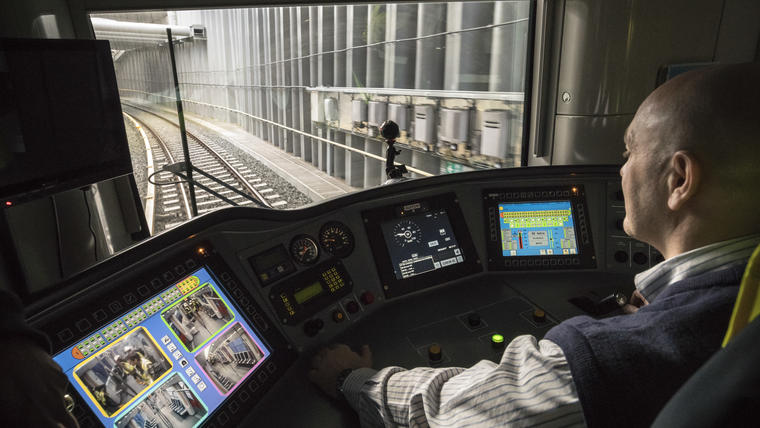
(421,243)
(61,124)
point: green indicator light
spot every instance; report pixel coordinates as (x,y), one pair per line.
(497,338)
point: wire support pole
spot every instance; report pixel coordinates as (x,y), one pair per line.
(181,117)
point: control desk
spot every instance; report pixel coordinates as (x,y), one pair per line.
(214,322)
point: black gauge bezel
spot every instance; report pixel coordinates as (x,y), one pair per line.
(345,252)
(393,286)
(296,258)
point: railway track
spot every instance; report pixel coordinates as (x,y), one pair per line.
(172,201)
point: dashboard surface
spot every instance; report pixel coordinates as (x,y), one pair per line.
(447,261)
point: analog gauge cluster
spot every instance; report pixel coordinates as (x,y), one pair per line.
(304,250)
(334,237)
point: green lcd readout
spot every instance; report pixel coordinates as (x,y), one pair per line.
(307,293)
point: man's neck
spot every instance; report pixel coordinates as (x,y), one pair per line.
(691,234)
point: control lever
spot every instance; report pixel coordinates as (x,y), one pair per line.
(600,307)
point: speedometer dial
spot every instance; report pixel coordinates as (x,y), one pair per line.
(336,238)
(407,232)
(304,250)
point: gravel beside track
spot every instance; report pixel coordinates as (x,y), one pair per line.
(267,184)
(139,158)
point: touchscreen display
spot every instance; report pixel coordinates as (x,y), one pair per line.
(537,229)
(421,243)
(170,360)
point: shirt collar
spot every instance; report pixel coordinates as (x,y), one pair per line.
(709,258)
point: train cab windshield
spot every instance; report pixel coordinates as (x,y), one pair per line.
(476,213)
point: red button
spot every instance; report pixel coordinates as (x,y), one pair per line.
(352,307)
(367,297)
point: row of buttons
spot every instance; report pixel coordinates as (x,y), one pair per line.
(536,194)
(314,326)
(177,355)
(117,306)
(544,262)
(233,404)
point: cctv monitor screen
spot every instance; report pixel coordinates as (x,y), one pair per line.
(174,357)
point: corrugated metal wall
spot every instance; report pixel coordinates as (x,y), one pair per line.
(262,61)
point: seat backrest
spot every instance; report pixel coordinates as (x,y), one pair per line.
(747,305)
(725,391)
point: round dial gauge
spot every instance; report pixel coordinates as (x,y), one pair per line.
(304,250)
(406,232)
(336,238)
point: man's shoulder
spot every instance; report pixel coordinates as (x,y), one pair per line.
(684,302)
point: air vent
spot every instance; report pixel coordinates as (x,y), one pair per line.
(494,141)
(424,124)
(199,31)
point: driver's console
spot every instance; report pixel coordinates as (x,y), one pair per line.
(213,323)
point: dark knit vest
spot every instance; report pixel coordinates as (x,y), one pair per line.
(625,368)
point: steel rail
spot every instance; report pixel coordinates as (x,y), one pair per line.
(168,153)
(238,177)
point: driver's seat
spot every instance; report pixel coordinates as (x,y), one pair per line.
(725,391)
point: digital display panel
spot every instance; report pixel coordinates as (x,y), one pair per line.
(421,243)
(307,293)
(537,229)
(174,357)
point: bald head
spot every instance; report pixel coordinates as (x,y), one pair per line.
(714,113)
(692,175)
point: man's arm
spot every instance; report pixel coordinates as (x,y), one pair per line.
(33,386)
(531,385)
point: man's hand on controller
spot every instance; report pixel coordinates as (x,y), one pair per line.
(635,302)
(330,361)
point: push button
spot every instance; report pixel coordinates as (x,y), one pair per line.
(435,353)
(367,298)
(497,341)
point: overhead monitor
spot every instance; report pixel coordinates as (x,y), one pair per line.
(61,124)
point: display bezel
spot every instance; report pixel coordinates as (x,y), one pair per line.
(107,301)
(575,194)
(394,287)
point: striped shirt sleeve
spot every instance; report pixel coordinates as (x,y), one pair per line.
(530,386)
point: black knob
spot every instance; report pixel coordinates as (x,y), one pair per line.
(312,327)
(473,319)
(640,258)
(621,256)
(619,224)
(434,352)
(352,307)
(657,258)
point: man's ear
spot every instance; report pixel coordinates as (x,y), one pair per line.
(683,180)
